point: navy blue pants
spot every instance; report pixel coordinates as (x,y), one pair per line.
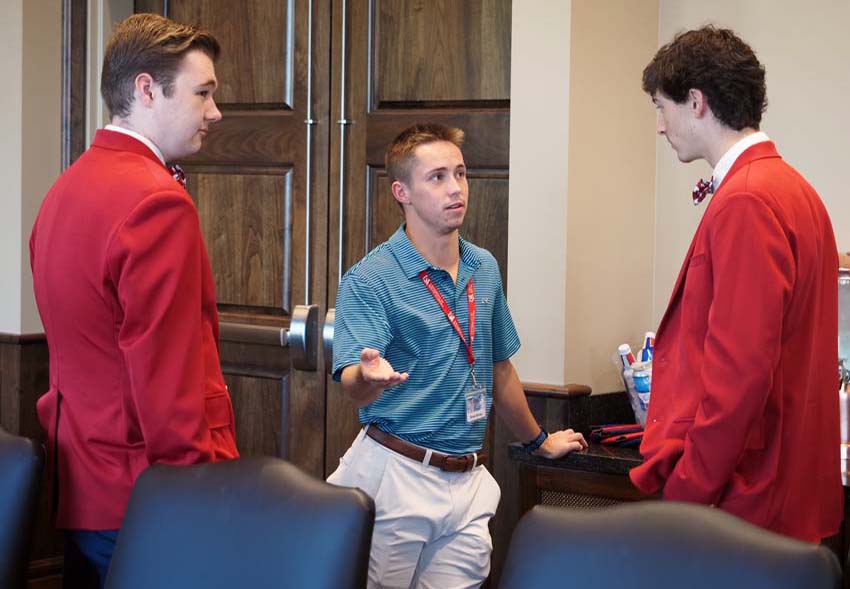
(87,557)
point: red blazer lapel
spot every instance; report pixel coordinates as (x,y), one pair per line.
(761,150)
(677,289)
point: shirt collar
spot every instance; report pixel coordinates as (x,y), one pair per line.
(412,262)
(140,137)
(725,163)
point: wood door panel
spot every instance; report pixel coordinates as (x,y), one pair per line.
(306,422)
(247,224)
(440,52)
(343,422)
(257,42)
(384,214)
(486,222)
(259,360)
(267,137)
(487,132)
(264,220)
(260,406)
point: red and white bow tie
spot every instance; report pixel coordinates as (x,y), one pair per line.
(703,189)
(178,174)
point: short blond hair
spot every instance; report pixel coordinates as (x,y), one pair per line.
(399,154)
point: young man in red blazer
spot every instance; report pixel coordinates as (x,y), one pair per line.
(744,410)
(125,291)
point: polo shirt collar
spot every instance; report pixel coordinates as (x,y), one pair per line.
(412,262)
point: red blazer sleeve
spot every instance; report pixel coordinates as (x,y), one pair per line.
(155,258)
(753,269)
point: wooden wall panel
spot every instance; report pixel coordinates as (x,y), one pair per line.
(441,52)
(257,47)
(24,377)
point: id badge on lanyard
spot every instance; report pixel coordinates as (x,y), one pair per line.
(475,395)
(476,400)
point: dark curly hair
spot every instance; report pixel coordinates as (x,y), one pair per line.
(718,63)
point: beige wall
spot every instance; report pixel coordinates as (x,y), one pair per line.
(30,107)
(537,209)
(610,204)
(11,50)
(582,186)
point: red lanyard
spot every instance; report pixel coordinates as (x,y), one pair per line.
(470,300)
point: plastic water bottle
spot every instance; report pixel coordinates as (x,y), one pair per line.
(625,351)
(642,376)
(648,347)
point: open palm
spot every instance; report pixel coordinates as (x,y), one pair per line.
(377,371)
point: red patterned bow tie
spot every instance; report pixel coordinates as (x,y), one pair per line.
(702,190)
(178,174)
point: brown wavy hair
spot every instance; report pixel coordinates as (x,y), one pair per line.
(152,44)
(717,62)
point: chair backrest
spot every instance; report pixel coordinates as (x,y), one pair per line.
(252,522)
(659,545)
(21,461)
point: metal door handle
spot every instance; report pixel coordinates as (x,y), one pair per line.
(310,122)
(343,121)
(328,339)
(301,338)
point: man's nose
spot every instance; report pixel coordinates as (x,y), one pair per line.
(455,185)
(214,115)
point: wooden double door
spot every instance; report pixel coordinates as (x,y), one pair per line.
(290,185)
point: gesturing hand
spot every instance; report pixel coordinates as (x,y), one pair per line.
(560,443)
(377,371)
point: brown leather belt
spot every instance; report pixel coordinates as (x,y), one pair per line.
(446,462)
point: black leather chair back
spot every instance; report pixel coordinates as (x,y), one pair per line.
(659,545)
(252,522)
(21,461)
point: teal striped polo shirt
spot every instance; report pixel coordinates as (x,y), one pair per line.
(383,304)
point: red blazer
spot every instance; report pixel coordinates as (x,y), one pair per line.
(744,409)
(126,297)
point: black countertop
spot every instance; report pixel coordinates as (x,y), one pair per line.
(597,458)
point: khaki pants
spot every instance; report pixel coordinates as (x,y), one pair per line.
(430,526)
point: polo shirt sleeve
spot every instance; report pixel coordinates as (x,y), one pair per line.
(361,322)
(505,338)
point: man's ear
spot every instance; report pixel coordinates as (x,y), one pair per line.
(399,191)
(145,89)
(697,102)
